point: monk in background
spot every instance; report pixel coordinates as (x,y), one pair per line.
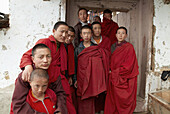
(121,94)
(109,27)
(82,15)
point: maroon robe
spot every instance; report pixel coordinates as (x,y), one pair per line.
(121,94)
(71,63)
(71,71)
(109,29)
(92,74)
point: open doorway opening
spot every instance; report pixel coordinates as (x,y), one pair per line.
(135,15)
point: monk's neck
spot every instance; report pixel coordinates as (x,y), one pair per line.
(86,44)
(40,97)
(96,37)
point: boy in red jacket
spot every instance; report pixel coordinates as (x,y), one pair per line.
(40,97)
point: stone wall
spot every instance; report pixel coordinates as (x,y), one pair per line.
(29,21)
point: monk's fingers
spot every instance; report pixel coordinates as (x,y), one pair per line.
(24,76)
(28,77)
(70,81)
(75,84)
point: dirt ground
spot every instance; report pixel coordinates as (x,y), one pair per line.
(5,99)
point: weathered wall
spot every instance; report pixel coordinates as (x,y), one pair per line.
(159,58)
(159,50)
(29,21)
(72,16)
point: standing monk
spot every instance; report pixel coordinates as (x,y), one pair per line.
(91,63)
(109,27)
(121,94)
(71,63)
(58,65)
(82,15)
(104,43)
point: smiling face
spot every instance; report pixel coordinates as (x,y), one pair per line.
(96,30)
(121,35)
(42,58)
(83,15)
(70,37)
(61,33)
(86,34)
(39,86)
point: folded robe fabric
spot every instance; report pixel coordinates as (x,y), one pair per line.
(92,71)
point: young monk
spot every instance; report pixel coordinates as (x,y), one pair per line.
(71,62)
(109,27)
(99,39)
(104,43)
(91,70)
(58,65)
(40,97)
(82,15)
(41,57)
(121,94)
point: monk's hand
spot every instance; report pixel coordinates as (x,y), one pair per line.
(75,84)
(70,81)
(27,72)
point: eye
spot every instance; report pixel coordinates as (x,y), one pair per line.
(48,56)
(37,86)
(40,57)
(44,85)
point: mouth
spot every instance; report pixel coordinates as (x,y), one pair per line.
(45,65)
(86,38)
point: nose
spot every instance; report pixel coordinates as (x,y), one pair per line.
(45,59)
(69,37)
(65,34)
(40,89)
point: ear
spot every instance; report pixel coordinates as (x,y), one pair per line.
(32,59)
(54,31)
(116,35)
(126,36)
(81,34)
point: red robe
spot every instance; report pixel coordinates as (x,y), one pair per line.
(71,63)
(100,101)
(109,29)
(92,74)
(71,71)
(121,94)
(57,67)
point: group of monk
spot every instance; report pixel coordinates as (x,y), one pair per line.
(88,69)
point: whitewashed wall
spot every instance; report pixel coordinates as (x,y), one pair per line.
(161,41)
(30,20)
(161,48)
